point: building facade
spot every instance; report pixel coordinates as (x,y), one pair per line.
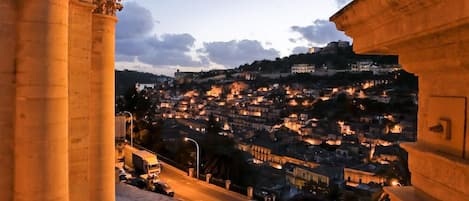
(354,177)
(321,177)
(302,68)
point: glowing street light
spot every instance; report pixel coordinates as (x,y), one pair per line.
(131,127)
(198,152)
(395,183)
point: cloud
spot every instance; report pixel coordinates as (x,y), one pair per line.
(204,60)
(142,67)
(320,32)
(135,21)
(234,53)
(169,49)
(121,58)
(300,50)
(135,41)
(342,3)
(131,46)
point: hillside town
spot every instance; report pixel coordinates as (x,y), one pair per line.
(313,130)
(339,100)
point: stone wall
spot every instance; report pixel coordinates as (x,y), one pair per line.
(432,41)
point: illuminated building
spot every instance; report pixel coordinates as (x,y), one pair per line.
(322,177)
(302,68)
(363,174)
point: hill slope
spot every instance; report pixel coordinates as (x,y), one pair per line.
(337,58)
(126,79)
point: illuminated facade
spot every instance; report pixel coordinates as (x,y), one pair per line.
(57,102)
(275,160)
(321,177)
(356,176)
(261,153)
(431,39)
(302,68)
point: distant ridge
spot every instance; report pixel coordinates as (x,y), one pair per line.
(126,79)
(331,56)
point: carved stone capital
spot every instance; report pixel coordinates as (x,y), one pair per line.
(107,7)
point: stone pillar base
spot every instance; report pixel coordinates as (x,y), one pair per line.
(432,171)
(407,193)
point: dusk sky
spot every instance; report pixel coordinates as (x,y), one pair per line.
(160,36)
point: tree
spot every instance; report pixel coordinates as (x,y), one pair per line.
(317,188)
(397,170)
(350,196)
(183,154)
(222,159)
(334,193)
(135,102)
(157,145)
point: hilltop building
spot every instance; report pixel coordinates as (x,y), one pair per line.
(139,86)
(183,77)
(302,68)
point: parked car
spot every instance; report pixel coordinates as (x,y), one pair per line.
(124,176)
(163,188)
(138,182)
(264,195)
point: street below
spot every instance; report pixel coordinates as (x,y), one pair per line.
(189,189)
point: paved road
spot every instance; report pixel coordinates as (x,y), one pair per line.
(189,189)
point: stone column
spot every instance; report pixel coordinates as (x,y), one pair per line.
(41,122)
(101,149)
(7,99)
(432,41)
(79,93)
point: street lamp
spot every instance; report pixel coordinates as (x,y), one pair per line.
(198,151)
(131,127)
(395,182)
